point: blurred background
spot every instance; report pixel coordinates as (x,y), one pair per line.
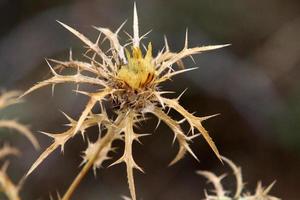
(254,84)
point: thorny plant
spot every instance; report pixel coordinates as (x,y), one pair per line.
(219,193)
(7,186)
(129,80)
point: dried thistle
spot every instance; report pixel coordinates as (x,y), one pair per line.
(129,80)
(10,189)
(219,193)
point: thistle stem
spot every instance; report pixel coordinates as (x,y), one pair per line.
(106,140)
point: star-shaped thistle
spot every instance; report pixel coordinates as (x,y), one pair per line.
(219,193)
(128,79)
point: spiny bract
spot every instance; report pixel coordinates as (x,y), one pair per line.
(129,81)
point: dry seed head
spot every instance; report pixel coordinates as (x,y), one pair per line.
(129,81)
(91,151)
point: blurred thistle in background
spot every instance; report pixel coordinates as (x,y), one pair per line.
(254,84)
(8,187)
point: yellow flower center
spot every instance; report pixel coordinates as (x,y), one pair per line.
(139,71)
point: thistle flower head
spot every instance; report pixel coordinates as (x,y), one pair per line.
(128,78)
(139,72)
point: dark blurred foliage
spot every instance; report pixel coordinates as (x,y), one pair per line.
(254,84)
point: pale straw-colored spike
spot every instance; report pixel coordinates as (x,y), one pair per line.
(129,40)
(97,40)
(83,66)
(58,141)
(268,189)
(78,78)
(51,68)
(52,89)
(209,116)
(166,43)
(195,122)
(181,94)
(171,74)
(136,38)
(192,58)
(120,27)
(144,47)
(88,108)
(70,119)
(70,55)
(186,39)
(178,134)
(94,98)
(115,47)
(51,135)
(125,198)
(187,52)
(145,35)
(90,44)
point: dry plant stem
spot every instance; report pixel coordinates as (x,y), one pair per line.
(82,174)
(106,140)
